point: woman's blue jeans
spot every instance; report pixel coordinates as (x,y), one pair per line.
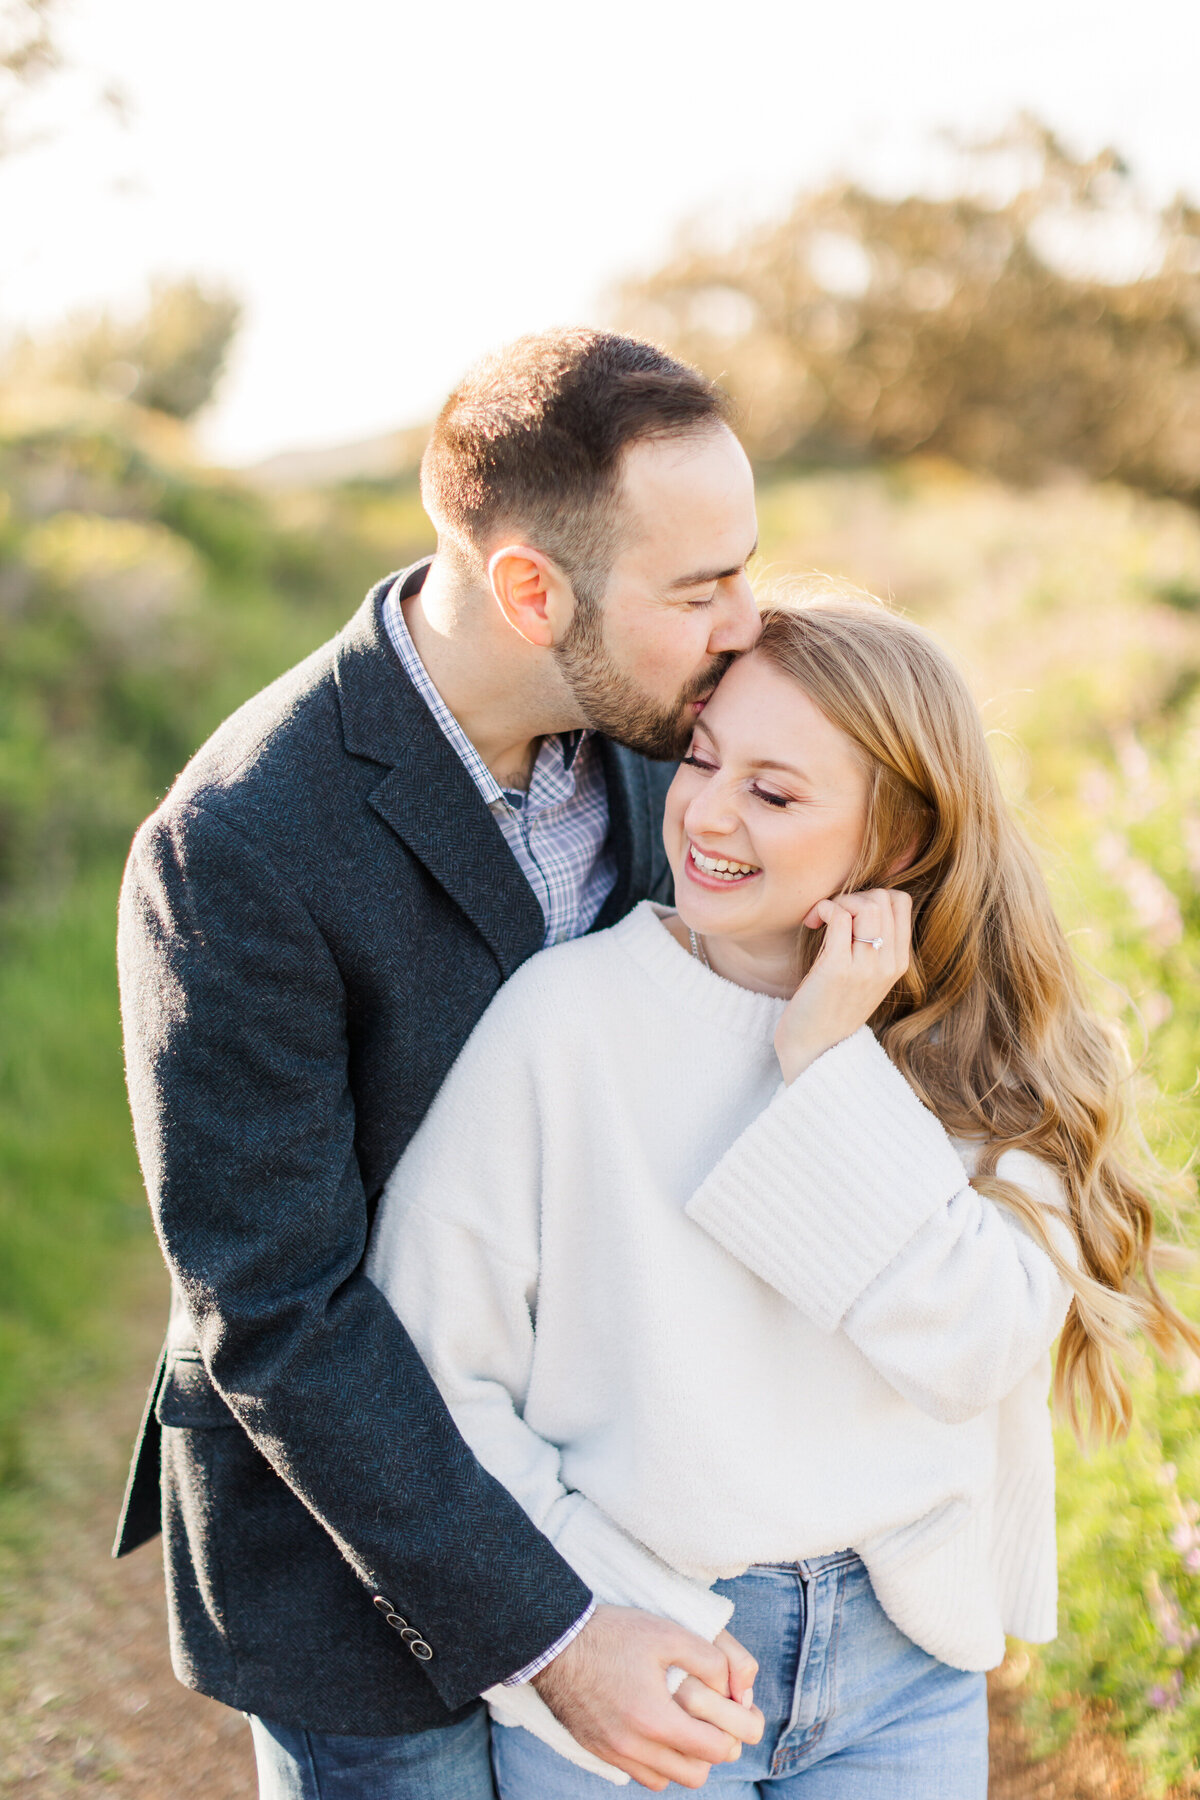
(854,1710)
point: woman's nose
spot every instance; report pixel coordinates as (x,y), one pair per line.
(711,812)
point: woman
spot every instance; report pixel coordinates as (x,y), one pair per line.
(738,1237)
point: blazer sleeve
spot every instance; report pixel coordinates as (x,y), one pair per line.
(235,1028)
(847,1196)
(455,1249)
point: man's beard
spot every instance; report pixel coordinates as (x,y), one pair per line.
(613,703)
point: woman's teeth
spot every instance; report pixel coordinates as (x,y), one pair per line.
(721,868)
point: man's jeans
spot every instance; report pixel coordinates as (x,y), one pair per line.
(854,1710)
(451,1763)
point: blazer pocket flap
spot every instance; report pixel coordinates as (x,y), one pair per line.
(187,1397)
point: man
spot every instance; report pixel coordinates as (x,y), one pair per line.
(311,925)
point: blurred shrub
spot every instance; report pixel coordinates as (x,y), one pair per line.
(1014,334)
(141,599)
(169,359)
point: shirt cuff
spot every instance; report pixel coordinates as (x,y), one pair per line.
(556,1649)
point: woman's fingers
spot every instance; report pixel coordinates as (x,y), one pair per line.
(839,930)
(744,1724)
(869,926)
(742,1667)
(901,910)
(879,913)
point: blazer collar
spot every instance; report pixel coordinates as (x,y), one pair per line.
(425,794)
(632,815)
(427,797)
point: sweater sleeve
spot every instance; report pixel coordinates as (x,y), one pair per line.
(847,1196)
(455,1250)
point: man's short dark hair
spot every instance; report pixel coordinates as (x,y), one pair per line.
(530,442)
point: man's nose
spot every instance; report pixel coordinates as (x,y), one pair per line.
(740,623)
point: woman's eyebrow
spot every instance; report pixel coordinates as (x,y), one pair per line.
(767,762)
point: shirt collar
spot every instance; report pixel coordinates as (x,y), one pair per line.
(563,747)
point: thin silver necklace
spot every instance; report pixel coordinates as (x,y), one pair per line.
(698,950)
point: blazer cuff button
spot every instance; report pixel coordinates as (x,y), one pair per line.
(421,1651)
(391,1615)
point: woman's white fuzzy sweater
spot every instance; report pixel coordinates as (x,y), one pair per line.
(694,1319)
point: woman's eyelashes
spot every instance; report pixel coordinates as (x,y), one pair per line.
(760,793)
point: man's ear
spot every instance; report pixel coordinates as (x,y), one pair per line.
(532,592)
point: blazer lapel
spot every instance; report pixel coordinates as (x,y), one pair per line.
(426,796)
(631,819)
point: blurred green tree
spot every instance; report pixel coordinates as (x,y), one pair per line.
(1054,325)
(168,359)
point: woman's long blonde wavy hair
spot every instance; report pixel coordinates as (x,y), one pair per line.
(989,1025)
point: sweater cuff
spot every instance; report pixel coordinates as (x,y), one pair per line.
(831,1181)
(511,1706)
(623,1572)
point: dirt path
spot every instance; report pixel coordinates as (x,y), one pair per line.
(90,1707)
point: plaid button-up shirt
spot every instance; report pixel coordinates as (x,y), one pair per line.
(558,832)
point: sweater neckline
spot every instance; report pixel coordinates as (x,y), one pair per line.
(707,995)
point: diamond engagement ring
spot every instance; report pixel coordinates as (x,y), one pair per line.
(875,943)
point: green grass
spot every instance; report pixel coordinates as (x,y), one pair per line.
(72,1214)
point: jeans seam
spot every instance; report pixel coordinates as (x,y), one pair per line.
(784,1755)
(832,1664)
(312,1765)
(817,1730)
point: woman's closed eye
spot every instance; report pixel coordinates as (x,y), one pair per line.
(760,793)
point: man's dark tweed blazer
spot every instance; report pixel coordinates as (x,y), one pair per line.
(311,925)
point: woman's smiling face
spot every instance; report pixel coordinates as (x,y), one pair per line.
(775,792)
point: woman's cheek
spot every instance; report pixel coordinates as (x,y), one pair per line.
(673,814)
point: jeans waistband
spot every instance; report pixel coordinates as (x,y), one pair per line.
(811,1565)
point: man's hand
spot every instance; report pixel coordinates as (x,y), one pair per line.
(609,1688)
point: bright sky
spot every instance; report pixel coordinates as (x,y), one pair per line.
(394,188)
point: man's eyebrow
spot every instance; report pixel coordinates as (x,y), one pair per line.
(707,575)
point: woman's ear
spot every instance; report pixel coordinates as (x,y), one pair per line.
(905,860)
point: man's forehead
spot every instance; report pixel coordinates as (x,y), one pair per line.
(681,458)
(693,488)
